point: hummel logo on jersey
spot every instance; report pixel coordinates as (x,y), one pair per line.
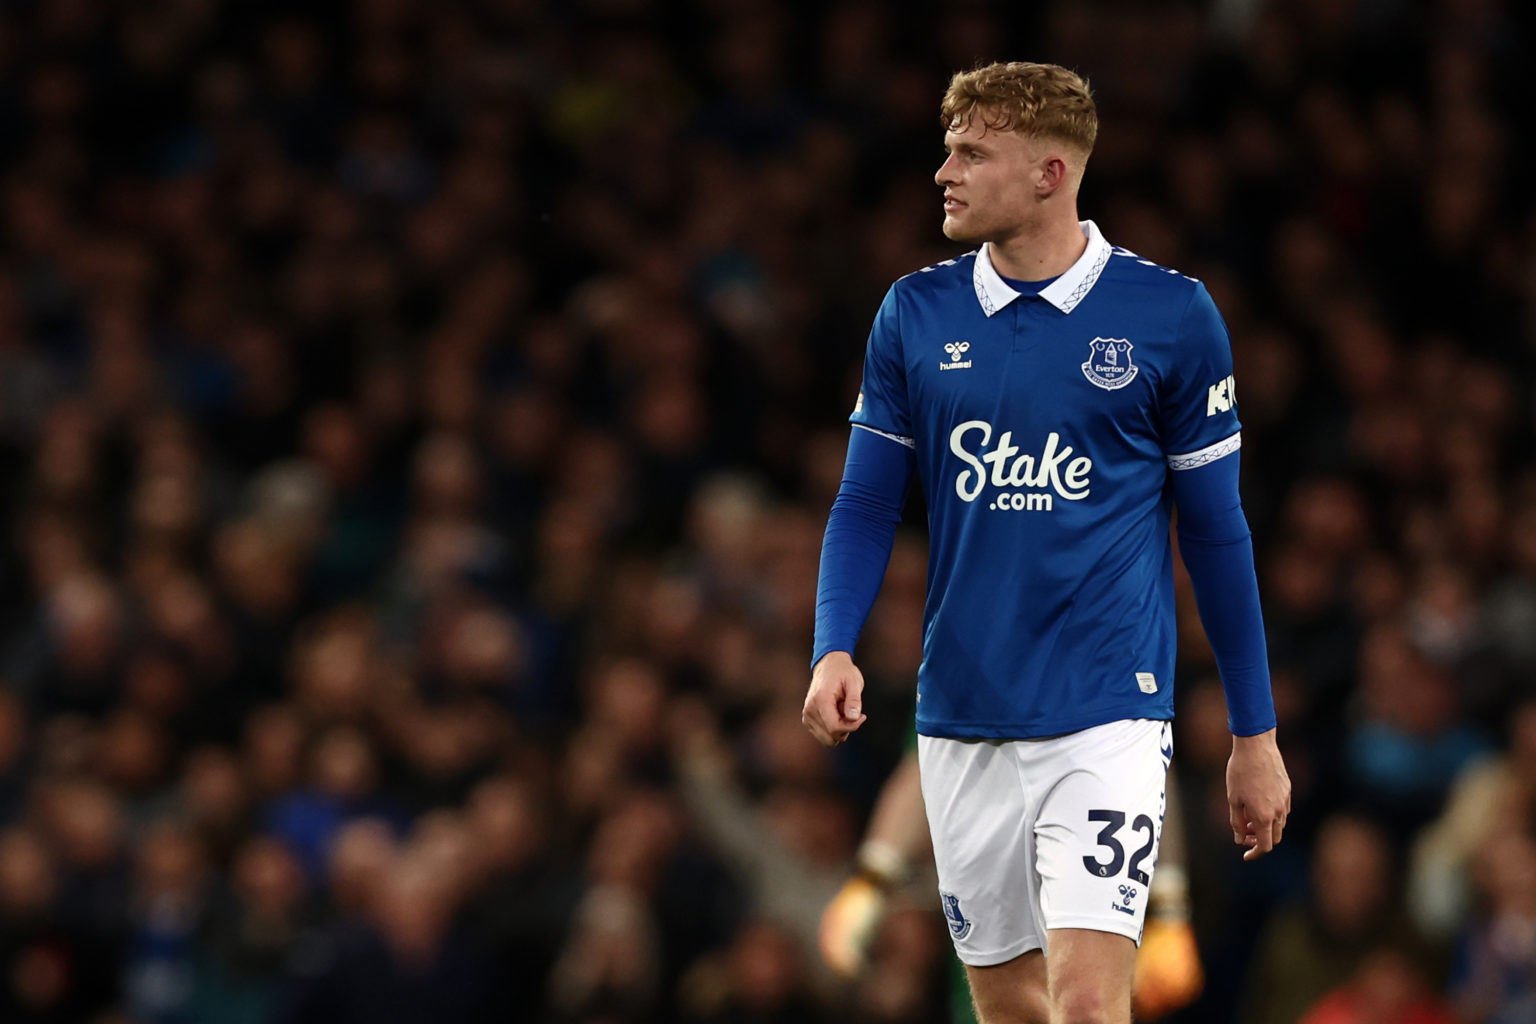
(956,349)
(1221,396)
(1109,363)
(1005,467)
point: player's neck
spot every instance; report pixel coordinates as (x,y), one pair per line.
(1039,251)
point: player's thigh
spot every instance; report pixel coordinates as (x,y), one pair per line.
(983,848)
(1098,828)
(1089,976)
(1013,992)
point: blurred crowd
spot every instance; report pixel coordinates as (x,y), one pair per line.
(417,421)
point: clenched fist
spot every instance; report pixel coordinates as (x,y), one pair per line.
(834,705)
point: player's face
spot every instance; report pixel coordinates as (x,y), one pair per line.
(989,182)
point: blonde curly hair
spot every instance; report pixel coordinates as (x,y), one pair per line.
(1032,99)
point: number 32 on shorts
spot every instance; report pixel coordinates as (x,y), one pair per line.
(1113,822)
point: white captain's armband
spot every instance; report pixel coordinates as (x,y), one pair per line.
(1206,456)
(909,442)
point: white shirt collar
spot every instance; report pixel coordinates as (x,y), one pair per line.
(1064,293)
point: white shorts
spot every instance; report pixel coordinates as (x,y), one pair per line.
(1031,835)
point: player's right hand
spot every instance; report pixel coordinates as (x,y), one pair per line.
(834,706)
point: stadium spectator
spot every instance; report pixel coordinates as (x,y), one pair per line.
(1496,969)
(1306,952)
(1387,986)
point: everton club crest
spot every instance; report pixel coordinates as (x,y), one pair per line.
(1109,363)
(959,927)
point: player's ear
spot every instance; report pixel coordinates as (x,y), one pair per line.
(1054,174)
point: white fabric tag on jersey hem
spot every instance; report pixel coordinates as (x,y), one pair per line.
(1147,682)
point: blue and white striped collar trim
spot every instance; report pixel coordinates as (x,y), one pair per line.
(1064,293)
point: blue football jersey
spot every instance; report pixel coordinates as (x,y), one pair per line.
(1045,428)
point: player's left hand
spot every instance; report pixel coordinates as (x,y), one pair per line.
(1258,793)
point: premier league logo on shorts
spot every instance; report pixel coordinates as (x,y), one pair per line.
(959,927)
(1109,363)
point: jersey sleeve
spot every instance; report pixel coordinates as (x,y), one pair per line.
(1199,401)
(882,404)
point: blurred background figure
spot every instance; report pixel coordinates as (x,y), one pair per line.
(1497,970)
(417,422)
(1308,951)
(1386,986)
